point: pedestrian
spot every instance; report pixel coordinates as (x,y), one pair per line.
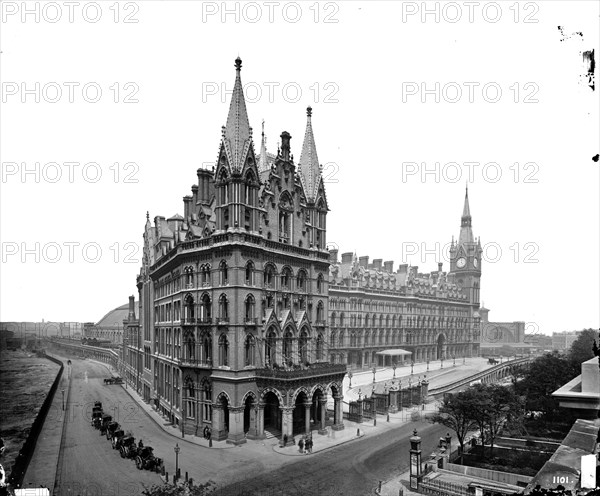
(208,433)
(205,432)
(309,445)
(301,445)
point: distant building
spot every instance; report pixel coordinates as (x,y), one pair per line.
(503,338)
(562,341)
(109,327)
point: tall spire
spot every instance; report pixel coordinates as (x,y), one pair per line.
(466,232)
(263,163)
(309,162)
(237,134)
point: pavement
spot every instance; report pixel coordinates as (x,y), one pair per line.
(41,471)
(255,456)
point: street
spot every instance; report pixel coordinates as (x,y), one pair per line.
(89,465)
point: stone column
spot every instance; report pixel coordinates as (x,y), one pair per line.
(307,406)
(259,432)
(236,426)
(323,414)
(338,416)
(218,430)
(287,424)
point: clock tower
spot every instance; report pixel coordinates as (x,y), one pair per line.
(465,257)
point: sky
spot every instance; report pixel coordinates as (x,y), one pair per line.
(109,108)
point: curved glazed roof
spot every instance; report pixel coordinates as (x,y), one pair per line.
(115,317)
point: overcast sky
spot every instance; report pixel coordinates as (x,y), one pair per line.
(395,91)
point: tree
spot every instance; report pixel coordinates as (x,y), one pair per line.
(456,413)
(501,405)
(581,349)
(544,376)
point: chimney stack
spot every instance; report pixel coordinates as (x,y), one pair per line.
(389,266)
(363,262)
(131,316)
(440,265)
(347,257)
(285,146)
(333,255)
(377,263)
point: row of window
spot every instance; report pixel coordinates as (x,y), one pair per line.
(339,340)
(358,304)
(270,279)
(392,321)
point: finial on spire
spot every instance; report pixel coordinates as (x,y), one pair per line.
(147,215)
(263,128)
(238,64)
(309,111)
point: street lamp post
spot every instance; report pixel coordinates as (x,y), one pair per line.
(374,370)
(412,365)
(442,362)
(63,399)
(448,441)
(177,449)
(350,377)
(454,358)
(394,367)
(428,365)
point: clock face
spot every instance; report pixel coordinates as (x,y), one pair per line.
(461,262)
(475,262)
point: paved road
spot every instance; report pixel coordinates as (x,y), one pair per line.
(347,470)
(91,467)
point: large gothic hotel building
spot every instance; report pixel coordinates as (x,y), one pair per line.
(247,323)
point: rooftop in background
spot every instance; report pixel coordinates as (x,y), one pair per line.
(115,317)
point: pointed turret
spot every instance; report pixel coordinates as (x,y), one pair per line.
(466,232)
(263,163)
(237,134)
(309,161)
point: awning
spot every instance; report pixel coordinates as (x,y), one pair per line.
(394,352)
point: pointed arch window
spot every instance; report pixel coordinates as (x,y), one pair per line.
(249,350)
(207,402)
(189,309)
(223,308)
(205,309)
(303,344)
(286,279)
(320,312)
(269,276)
(250,273)
(320,347)
(270,348)
(205,275)
(189,277)
(206,348)
(288,342)
(223,273)
(332,340)
(190,398)
(249,308)
(223,350)
(301,281)
(320,283)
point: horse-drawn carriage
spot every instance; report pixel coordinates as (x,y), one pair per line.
(127,447)
(111,428)
(113,380)
(492,361)
(106,419)
(96,417)
(145,459)
(116,438)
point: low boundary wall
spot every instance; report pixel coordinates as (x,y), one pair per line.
(24,457)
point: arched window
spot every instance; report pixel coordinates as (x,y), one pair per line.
(301,281)
(342,319)
(206,401)
(269,276)
(223,350)
(288,340)
(303,346)
(285,217)
(206,348)
(190,398)
(249,307)
(189,277)
(190,346)
(332,340)
(205,309)
(250,274)
(249,346)
(341,341)
(223,308)
(286,279)
(223,273)
(320,347)
(332,319)
(320,312)
(270,348)
(320,283)
(205,275)
(189,308)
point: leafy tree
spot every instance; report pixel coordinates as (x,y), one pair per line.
(456,413)
(502,404)
(581,349)
(545,375)
(184,489)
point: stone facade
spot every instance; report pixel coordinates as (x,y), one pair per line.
(233,296)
